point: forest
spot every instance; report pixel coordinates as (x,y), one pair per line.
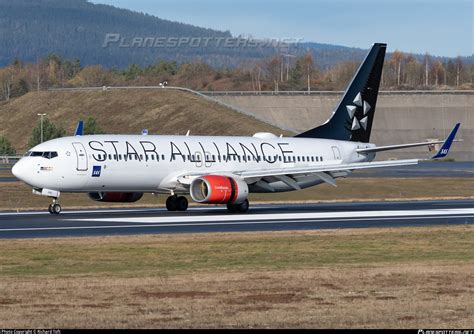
(277,73)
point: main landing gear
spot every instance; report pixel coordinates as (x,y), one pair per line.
(238,208)
(54,208)
(180,203)
(177,203)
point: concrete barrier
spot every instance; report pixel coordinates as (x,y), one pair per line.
(402,117)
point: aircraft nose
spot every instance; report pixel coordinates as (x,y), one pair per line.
(18,170)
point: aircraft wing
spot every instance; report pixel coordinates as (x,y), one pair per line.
(324,171)
(326,168)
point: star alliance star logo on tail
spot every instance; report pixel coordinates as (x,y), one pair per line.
(351,110)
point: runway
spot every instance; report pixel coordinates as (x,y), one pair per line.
(216,219)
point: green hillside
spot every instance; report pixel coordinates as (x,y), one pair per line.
(161,112)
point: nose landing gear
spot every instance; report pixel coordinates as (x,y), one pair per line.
(54,208)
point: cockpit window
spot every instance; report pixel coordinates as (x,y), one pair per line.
(36,154)
(50,155)
(47,155)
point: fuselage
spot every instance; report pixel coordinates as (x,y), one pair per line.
(150,163)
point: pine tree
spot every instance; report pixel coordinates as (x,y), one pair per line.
(91,127)
(6,147)
(50,131)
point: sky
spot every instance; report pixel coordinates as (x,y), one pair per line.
(440,27)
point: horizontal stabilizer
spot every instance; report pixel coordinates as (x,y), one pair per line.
(402,146)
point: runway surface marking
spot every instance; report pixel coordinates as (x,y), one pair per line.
(118,210)
(255,219)
(284,216)
(220,223)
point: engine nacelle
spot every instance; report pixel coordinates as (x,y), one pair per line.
(118,197)
(218,189)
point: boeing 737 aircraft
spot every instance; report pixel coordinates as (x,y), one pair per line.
(217,170)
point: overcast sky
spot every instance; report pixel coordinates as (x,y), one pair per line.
(443,28)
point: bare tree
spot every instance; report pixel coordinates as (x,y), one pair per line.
(6,80)
(427,61)
(308,63)
(255,74)
(459,67)
(438,71)
(397,59)
(272,67)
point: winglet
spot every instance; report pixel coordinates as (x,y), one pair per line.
(79,129)
(443,151)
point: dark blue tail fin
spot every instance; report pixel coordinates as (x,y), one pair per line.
(353,117)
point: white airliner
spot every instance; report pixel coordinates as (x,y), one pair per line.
(217,170)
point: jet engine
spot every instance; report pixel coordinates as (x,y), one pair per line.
(218,189)
(119,197)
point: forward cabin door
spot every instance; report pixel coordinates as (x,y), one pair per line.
(336,152)
(81,157)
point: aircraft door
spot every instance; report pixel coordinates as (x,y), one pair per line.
(336,152)
(199,159)
(208,159)
(81,156)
